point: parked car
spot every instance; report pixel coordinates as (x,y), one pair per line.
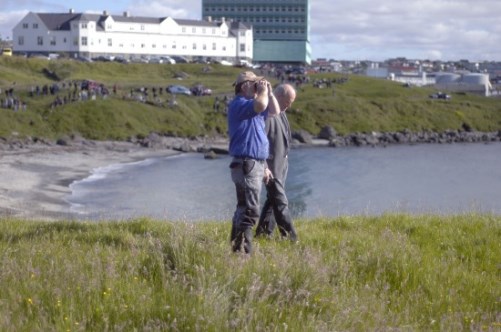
(178,89)
(83,58)
(121,59)
(136,59)
(167,59)
(7,51)
(104,58)
(155,60)
(200,90)
(179,59)
(440,95)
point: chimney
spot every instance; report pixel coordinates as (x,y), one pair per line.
(105,12)
(209,18)
(223,19)
(126,14)
(71,10)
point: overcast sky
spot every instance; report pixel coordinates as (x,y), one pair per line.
(340,29)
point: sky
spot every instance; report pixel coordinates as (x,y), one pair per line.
(447,30)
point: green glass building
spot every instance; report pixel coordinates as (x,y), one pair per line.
(281,27)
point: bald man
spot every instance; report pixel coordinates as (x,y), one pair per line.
(279,137)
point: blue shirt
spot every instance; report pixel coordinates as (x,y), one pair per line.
(246,129)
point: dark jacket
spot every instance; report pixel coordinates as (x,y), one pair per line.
(279,137)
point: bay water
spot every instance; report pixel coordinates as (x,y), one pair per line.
(322,182)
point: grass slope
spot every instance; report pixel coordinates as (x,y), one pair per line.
(361,105)
(391,272)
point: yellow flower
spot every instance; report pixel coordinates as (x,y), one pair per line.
(30,301)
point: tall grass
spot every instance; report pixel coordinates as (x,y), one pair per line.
(391,272)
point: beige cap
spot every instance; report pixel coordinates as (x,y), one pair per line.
(247,76)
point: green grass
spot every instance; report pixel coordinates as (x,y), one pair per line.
(361,105)
(354,273)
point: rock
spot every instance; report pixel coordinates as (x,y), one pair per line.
(302,136)
(210,155)
(327,132)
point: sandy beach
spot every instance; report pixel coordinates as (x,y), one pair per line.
(35,179)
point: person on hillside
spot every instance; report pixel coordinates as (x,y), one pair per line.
(253,103)
(276,207)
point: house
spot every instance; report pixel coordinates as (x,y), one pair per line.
(93,35)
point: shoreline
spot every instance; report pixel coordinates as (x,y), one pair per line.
(35,179)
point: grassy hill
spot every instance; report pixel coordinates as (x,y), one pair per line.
(392,272)
(361,104)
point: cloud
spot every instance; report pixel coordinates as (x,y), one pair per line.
(340,29)
(188,9)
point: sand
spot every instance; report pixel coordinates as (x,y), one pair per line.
(35,179)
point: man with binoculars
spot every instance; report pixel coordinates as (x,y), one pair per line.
(253,103)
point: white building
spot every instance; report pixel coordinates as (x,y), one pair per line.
(90,35)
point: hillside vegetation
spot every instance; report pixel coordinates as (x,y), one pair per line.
(386,273)
(361,104)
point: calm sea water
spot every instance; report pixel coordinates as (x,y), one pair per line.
(442,179)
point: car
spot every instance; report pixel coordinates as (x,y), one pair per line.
(178,89)
(104,58)
(121,59)
(179,59)
(440,95)
(200,90)
(167,59)
(83,58)
(7,51)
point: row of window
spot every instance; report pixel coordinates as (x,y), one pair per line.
(264,31)
(85,42)
(282,9)
(132,28)
(270,19)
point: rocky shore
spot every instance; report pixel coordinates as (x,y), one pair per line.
(35,174)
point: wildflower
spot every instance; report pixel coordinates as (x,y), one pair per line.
(30,301)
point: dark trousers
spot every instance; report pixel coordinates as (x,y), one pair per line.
(247,175)
(276,212)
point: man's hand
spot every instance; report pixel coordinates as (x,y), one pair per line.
(267,175)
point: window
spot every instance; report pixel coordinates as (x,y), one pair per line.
(204,47)
(183,29)
(20,40)
(194,46)
(142,27)
(173,45)
(242,47)
(194,30)
(109,27)
(35,25)
(154,45)
(40,40)
(84,41)
(143,45)
(203,31)
(25,25)
(213,46)
(75,41)
(242,33)
(110,42)
(213,31)
(84,25)
(53,40)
